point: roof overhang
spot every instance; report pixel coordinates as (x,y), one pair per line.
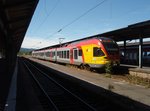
(135,31)
(15,16)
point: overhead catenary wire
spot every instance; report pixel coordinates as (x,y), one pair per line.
(76,19)
(45,7)
(85,13)
(45,39)
(48,14)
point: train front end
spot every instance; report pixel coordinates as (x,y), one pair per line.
(111,49)
(102,51)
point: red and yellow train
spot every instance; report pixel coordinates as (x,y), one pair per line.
(94,53)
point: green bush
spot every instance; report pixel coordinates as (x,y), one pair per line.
(108,68)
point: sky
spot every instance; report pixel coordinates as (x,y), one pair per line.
(75,19)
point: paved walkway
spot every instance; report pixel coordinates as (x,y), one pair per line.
(5,79)
(11,99)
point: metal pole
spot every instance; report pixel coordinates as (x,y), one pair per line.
(140,52)
(125,50)
(60,41)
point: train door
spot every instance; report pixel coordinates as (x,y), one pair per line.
(71,56)
(55,55)
(76,56)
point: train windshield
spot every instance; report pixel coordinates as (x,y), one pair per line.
(97,52)
(110,45)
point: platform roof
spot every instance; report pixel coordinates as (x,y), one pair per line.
(134,31)
(15,16)
(131,32)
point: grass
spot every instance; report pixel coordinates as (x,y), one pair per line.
(139,81)
(126,77)
(109,68)
(108,75)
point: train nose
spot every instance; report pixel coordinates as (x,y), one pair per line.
(115,60)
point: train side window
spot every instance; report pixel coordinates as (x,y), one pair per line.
(64,54)
(52,54)
(80,52)
(47,54)
(42,54)
(60,54)
(57,53)
(97,52)
(68,54)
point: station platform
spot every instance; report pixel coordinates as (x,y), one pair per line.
(5,79)
(143,72)
(18,93)
(134,92)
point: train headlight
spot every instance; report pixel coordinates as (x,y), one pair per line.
(94,58)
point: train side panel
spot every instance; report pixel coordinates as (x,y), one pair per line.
(53,54)
(63,55)
(47,55)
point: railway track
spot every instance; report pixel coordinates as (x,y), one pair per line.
(56,97)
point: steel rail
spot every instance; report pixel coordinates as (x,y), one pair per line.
(55,107)
(92,109)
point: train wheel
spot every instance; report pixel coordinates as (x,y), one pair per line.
(82,66)
(87,67)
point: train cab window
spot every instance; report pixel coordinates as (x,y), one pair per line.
(75,54)
(97,52)
(80,52)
